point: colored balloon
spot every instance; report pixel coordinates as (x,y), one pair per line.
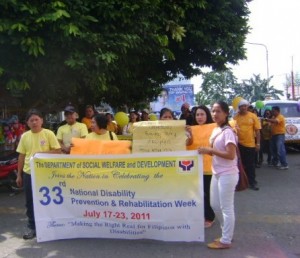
(259,104)
(152,117)
(235,102)
(121,118)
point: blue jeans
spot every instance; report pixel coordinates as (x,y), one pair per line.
(278,150)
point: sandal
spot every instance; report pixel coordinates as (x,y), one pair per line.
(218,245)
(208,223)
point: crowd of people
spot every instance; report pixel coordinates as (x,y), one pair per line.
(246,132)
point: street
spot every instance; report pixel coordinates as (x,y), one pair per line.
(267,226)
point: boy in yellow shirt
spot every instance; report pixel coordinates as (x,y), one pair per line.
(37,139)
(72,129)
(278,138)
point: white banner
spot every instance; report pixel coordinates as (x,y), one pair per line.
(137,196)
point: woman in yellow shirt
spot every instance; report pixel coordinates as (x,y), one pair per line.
(99,129)
(87,119)
(202,116)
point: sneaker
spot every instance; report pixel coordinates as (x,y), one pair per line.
(30,234)
(283,167)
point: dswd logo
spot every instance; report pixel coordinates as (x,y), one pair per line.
(185,166)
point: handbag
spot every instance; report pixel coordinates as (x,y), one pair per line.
(243,182)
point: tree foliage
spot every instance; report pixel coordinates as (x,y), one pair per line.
(224,86)
(257,89)
(216,86)
(119,51)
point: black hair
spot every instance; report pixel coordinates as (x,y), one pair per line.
(89,106)
(165,110)
(225,108)
(209,119)
(276,108)
(109,114)
(32,112)
(101,121)
(267,111)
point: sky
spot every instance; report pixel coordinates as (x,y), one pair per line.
(275,24)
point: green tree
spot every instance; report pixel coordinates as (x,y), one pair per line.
(257,89)
(117,51)
(224,86)
(216,86)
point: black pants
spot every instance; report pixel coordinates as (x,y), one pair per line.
(28,200)
(248,159)
(208,211)
(265,147)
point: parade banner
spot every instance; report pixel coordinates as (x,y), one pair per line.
(159,136)
(173,96)
(139,196)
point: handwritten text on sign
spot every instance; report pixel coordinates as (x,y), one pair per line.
(159,136)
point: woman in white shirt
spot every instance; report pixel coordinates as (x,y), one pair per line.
(133,117)
(225,174)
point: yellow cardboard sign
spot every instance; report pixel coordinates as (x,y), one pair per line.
(159,136)
(89,146)
(201,134)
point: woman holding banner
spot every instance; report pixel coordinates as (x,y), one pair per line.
(225,174)
(201,134)
(99,129)
(166,114)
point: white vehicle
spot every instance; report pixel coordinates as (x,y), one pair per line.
(290,109)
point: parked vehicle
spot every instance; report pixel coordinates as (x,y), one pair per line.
(290,109)
(9,170)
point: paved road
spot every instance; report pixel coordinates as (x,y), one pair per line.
(267,226)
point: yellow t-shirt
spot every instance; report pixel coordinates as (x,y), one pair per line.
(102,137)
(246,125)
(87,121)
(31,143)
(280,127)
(66,132)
